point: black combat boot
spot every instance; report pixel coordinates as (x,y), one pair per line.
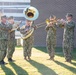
(10,60)
(25,58)
(2,62)
(29,58)
(68,60)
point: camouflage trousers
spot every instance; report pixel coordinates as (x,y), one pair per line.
(51,44)
(3,49)
(27,47)
(67,48)
(11,48)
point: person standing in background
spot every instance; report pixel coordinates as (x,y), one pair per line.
(11,39)
(4,30)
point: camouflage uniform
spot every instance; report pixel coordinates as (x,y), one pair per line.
(68,40)
(3,40)
(27,43)
(51,40)
(11,43)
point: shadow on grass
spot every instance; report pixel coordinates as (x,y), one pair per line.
(72,69)
(18,69)
(44,70)
(73,63)
(61,54)
(43,49)
(58,51)
(7,71)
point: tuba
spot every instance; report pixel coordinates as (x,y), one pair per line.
(30,13)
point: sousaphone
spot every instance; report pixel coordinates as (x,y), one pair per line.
(30,13)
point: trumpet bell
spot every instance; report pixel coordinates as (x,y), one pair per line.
(31,13)
(47,21)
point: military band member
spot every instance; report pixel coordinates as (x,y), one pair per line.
(51,38)
(4,29)
(11,39)
(68,37)
(27,43)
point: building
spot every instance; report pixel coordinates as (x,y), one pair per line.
(14,8)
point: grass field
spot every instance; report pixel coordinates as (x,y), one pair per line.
(39,65)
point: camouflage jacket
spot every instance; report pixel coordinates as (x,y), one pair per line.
(69,30)
(24,31)
(51,30)
(11,35)
(4,30)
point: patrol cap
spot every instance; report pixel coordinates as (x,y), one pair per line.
(51,16)
(4,16)
(11,17)
(28,20)
(69,15)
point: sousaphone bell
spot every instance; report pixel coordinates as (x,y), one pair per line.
(31,13)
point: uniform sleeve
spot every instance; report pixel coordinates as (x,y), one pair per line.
(10,27)
(33,25)
(22,31)
(70,25)
(6,28)
(18,29)
(59,24)
(47,28)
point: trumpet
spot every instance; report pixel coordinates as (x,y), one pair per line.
(52,20)
(47,22)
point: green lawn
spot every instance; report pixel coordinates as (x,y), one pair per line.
(39,65)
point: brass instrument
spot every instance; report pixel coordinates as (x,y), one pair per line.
(30,13)
(28,34)
(61,23)
(15,26)
(52,20)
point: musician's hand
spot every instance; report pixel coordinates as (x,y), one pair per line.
(50,24)
(18,29)
(35,27)
(26,30)
(10,30)
(63,23)
(19,23)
